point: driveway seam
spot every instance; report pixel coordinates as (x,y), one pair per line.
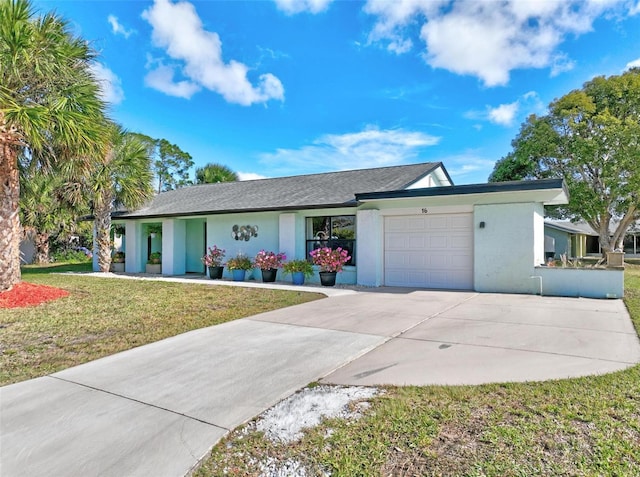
(298,325)
(518,349)
(93,388)
(435,315)
(538,324)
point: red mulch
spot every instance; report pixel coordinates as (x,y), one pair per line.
(28,294)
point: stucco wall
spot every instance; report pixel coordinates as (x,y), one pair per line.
(134,261)
(370,248)
(507,248)
(588,283)
(220,228)
(174,234)
(195,246)
(562,241)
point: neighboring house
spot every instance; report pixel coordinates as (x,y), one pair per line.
(403,226)
(575,240)
(27,248)
(579,240)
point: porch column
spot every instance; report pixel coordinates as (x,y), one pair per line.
(369,250)
(133,259)
(287,235)
(174,252)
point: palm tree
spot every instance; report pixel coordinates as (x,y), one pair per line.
(44,210)
(121,178)
(49,101)
(213,173)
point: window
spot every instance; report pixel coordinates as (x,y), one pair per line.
(333,232)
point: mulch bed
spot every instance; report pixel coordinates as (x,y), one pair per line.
(27,294)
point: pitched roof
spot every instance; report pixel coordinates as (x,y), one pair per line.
(581,227)
(333,189)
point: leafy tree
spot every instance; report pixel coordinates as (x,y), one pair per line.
(170,163)
(591,138)
(49,101)
(45,210)
(214,173)
(121,177)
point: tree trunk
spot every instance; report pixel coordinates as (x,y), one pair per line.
(102,223)
(41,241)
(10,230)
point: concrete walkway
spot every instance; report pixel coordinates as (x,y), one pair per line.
(157,409)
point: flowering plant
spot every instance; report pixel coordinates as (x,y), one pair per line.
(330,260)
(298,266)
(269,260)
(240,262)
(214,257)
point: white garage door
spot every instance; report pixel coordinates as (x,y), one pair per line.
(430,251)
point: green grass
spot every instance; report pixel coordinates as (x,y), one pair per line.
(576,427)
(103,316)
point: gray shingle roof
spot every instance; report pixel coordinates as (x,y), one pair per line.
(333,189)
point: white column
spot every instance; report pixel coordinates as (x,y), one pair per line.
(287,235)
(369,248)
(133,260)
(174,254)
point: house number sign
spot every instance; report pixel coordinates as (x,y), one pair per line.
(425,211)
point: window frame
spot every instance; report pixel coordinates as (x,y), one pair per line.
(333,243)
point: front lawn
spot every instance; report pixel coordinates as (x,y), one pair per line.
(580,427)
(103,316)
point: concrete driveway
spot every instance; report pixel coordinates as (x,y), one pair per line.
(157,409)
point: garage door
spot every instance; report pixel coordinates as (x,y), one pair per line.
(430,251)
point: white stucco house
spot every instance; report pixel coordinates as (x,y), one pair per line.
(405,226)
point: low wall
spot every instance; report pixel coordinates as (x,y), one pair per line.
(580,282)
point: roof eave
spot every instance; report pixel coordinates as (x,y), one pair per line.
(556,187)
(236,211)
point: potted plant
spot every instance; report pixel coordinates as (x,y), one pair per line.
(154,264)
(154,229)
(269,262)
(239,266)
(330,262)
(117,262)
(213,261)
(299,269)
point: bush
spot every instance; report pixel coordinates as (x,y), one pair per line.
(72,256)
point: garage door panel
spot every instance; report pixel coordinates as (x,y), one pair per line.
(435,223)
(432,251)
(464,242)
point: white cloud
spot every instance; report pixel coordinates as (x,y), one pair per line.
(117,28)
(468,167)
(110,84)
(178,29)
(291,7)
(250,176)
(161,78)
(487,39)
(371,147)
(506,114)
(503,114)
(633,64)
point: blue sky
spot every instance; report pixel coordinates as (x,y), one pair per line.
(285,87)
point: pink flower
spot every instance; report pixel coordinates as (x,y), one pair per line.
(330,260)
(269,260)
(214,257)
